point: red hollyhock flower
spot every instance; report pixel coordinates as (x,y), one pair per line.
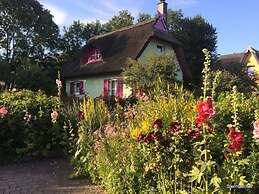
(236,138)
(175,127)
(141,137)
(158,124)
(193,133)
(80,115)
(205,110)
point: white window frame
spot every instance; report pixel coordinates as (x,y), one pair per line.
(112,87)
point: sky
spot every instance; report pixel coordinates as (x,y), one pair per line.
(236,21)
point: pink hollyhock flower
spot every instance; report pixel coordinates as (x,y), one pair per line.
(256,125)
(59,83)
(54,116)
(236,138)
(3,111)
(158,124)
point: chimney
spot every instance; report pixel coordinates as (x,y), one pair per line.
(162,9)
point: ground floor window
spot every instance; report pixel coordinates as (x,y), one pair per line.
(76,88)
(113,88)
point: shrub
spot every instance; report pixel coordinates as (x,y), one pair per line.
(30,128)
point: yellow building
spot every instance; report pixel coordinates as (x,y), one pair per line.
(248,59)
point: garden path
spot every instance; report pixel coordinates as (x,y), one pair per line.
(48,176)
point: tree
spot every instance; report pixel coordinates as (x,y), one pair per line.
(195,34)
(144,17)
(26,30)
(234,74)
(123,19)
(77,34)
(145,73)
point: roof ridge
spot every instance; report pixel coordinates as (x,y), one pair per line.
(123,29)
(232,54)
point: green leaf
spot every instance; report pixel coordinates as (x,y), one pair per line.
(215,181)
(195,175)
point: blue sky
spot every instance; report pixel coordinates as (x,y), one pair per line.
(236,21)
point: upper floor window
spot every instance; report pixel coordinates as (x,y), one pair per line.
(94,56)
(160,49)
(251,71)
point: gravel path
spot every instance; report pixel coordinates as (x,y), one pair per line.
(46,176)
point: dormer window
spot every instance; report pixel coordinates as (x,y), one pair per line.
(94,56)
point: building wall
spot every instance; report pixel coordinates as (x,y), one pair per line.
(152,49)
(94,86)
(251,61)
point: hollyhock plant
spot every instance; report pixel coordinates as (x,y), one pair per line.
(3,111)
(236,138)
(158,124)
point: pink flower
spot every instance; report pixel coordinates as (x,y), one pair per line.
(3,111)
(256,125)
(236,138)
(256,130)
(54,116)
(59,83)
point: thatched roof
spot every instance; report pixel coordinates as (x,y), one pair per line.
(116,47)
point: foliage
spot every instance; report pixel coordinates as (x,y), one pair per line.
(37,75)
(27,129)
(234,74)
(123,19)
(27,30)
(92,116)
(144,17)
(195,34)
(145,73)
(77,34)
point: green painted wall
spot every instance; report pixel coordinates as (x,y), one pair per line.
(152,49)
(93,86)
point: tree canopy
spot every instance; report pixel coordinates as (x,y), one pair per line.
(195,34)
(144,73)
(27,31)
(123,19)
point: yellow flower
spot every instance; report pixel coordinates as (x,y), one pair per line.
(135,132)
(145,126)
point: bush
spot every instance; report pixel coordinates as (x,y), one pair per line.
(30,128)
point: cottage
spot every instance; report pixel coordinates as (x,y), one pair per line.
(97,68)
(248,59)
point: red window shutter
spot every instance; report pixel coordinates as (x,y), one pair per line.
(105,88)
(120,88)
(72,88)
(81,87)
